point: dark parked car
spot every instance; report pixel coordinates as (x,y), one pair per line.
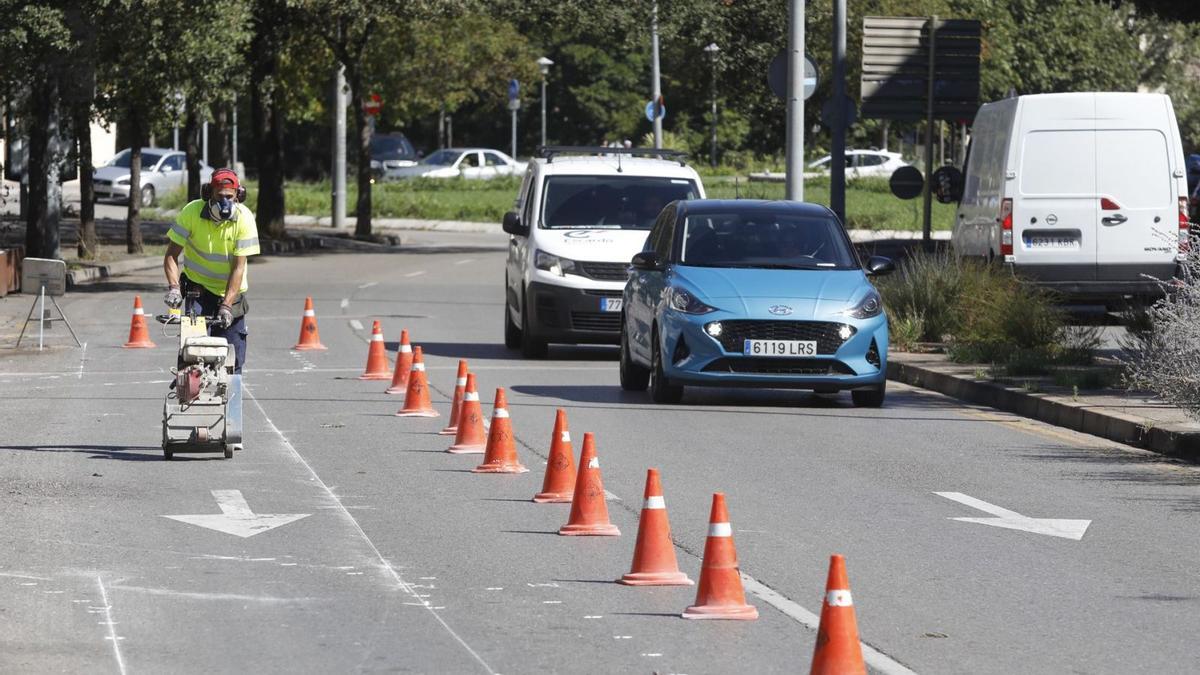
(391,151)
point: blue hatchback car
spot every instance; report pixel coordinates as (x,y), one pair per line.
(753,293)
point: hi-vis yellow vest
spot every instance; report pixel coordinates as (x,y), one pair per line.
(209,246)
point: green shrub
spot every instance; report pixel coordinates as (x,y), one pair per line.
(998,316)
(923,293)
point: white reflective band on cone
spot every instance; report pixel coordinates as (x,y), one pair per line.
(839,599)
(566,437)
(309,312)
(500,412)
(137,311)
(471,396)
(656,502)
(376,337)
(404,349)
(419,367)
(720,530)
(460,382)
(594,463)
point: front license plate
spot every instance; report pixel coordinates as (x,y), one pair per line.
(1051,242)
(610,304)
(779,348)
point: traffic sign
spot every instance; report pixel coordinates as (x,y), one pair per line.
(777,75)
(514,90)
(372,105)
(514,104)
(661,109)
(906,182)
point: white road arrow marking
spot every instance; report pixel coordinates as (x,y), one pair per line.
(236,518)
(1054,527)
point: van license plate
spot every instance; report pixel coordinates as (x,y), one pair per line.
(1051,242)
(779,347)
(610,304)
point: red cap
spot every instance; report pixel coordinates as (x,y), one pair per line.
(223,178)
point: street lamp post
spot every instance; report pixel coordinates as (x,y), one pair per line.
(544,64)
(712,50)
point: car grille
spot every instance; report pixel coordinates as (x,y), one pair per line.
(606,271)
(825,333)
(603,294)
(101,181)
(605,322)
(761,366)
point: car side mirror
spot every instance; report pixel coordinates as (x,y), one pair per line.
(878,266)
(512,224)
(647,260)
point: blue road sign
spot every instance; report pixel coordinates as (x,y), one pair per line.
(650,109)
(514,90)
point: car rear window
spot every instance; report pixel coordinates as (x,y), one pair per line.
(770,240)
(612,202)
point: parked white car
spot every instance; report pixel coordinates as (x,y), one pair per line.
(474,163)
(860,164)
(163,170)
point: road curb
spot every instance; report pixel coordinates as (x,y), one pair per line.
(1170,440)
(93,272)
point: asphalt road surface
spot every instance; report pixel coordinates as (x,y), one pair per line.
(397,558)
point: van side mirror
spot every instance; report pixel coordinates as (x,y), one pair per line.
(512,224)
(878,266)
(647,260)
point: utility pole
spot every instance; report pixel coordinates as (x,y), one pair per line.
(544,65)
(837,160)
(338,217)
(233,139)
(656,84)
(795,102)
(927,197)
(712,50)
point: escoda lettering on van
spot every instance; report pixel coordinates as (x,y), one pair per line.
(1084,193)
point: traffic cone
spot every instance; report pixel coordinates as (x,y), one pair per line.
(404,361)
(500,456)
(559,483)
(460,383)
(654,561)
(471,437)
(377,361)
(838,651)
(719,594)
(139,337)
(310,337)
(589,511)
(416,400)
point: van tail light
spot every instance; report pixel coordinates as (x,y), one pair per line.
(1006,229)
(1107,204)
(1184,227)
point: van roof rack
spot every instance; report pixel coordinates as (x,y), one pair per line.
(549,152)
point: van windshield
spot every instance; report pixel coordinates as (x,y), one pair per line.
(610,202)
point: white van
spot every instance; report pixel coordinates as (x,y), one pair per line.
(1084,193)
(581,215)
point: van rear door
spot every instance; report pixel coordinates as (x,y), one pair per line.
(1138,220)
(1055,210)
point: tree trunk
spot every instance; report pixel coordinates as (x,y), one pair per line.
(362,124)
(44,167)
(219,136)
(87,202)
(133,219)
(267,122)
(191,150)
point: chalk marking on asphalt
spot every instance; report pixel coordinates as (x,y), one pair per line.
(651,654)
(552,602)
(14,575)
(414,274)
(112,629)
(464,262)
(874,658)
(594,616)
(82,358)
(356,325)
(404,585)
(622,637)
(549,585)
(494,588)
(230,597)
(368,285)
(345,303)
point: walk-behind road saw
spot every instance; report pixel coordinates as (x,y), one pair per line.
(202,412)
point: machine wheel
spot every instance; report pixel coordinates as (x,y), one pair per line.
(228,452)
(869,398)
(661,389)
(633,376)
(512,332)
(168,455)
(147,195)
(531,347)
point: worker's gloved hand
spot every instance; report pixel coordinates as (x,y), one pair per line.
(173,298)
(224,316)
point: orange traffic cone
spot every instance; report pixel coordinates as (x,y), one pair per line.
(559,483)
(654,555)
(838,650)
(460,383)
(310,337)
(404,359)
(416,400)
(139,337)
(471,437)
(377,361)
(500,456)
(720,594)
(589,511)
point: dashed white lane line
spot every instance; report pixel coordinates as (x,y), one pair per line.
(414,274)
(112,627)
(368,285)
(344,303)
(356,324)
(464,262)
(874,658)
(404,585)
(82,359)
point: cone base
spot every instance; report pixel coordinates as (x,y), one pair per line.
(309,348)
(448,431)
(141,344)
(398,389)
(554,497)
(499,468)
(734,612)
(375,376)
(599,530)
(467,449)
(418,413)
(656,579)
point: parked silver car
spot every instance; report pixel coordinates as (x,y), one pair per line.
(476,163)
(163,170)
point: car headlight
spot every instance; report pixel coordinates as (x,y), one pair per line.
(685,302)
(554,264)
(870,305)
(121,181)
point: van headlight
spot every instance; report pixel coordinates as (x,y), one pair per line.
(870,305)
(554,264)
(682,301)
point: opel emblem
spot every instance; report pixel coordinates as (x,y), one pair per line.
(779,310)
(1051,219)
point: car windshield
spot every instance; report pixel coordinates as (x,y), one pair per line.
(392,146)
(149,159)
(764,239)
(442,158)
(612,202)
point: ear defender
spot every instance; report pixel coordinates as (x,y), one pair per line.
(205,191)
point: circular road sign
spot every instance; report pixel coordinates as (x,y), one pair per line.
(662,110)
(372,105)
(906,182)
(777,75)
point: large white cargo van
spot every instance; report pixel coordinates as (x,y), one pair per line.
(1084,192)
